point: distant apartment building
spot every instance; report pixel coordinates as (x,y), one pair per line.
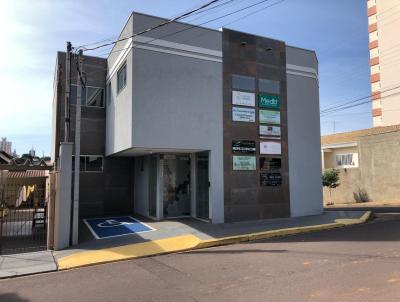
(5,145)
(187,121)
(384,45)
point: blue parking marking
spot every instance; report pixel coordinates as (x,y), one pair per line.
(115,226)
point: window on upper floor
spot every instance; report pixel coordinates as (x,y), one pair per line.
(121,78)
(345,160)
(269,86)
(241,82)
(95,97)
(109,94)
(89,163)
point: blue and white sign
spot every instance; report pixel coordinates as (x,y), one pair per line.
(243,114)
(115,226)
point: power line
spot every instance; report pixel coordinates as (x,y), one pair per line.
(192,26)
(156,26)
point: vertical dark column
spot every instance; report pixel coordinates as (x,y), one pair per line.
(260,192)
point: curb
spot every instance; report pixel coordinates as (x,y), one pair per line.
(187,243)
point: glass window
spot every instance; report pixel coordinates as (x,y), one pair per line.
(344,160)
(121,78)
(94,163)
(243,82)
(95,97)
(81,163)
(109,94)
(269,86)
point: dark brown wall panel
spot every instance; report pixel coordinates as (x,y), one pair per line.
(245,198)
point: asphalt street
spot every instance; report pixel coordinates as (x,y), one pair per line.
(358,263)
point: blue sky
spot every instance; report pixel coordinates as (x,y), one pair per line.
(33,31)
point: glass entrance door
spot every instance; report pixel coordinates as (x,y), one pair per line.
(202,186)
(176,186)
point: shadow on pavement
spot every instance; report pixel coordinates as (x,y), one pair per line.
(12,297)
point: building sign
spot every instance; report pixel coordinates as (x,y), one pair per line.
(269,101)
(244,163)
(246,147)
(270,130)
(243,114)
(270,163)
(270,117)
(270,148)
(243,98)
(270,179)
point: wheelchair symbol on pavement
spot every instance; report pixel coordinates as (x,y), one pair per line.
(109,223)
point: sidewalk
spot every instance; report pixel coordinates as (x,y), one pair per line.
(187,234)
(27,263)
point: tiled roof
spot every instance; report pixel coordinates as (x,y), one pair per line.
(27,174)
(353,136)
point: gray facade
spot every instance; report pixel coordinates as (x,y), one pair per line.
(172,115)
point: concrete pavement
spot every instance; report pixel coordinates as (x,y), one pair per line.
(357,263)
(183,235)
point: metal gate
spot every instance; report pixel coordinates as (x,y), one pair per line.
(23,214)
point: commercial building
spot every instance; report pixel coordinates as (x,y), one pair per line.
(5,145)
(383,28)
(186,121)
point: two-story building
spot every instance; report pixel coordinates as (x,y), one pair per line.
(186,121)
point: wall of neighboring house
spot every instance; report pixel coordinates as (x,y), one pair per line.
(330,157)
(379,167)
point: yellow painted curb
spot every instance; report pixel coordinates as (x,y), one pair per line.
(131,251)
(348,221)
(187,242)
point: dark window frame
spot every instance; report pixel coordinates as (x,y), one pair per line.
(123,69)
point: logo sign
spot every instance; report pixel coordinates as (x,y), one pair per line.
(270,179)
(269,101)
(243,98)
(244,163)
(270,163)
(270,117)
(270,130)
(246,147)
(270,148)
(243,115)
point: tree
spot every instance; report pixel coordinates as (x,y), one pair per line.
(330,179)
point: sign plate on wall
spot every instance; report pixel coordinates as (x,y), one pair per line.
(244,163)
(270,148)
(243,114)
(270,117)
(242,146)
(270,179)
(270,130)
(269,101)
(243,98)
(270,163)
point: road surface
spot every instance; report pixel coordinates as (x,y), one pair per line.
(358,263)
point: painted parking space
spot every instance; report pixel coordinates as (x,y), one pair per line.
(116,226)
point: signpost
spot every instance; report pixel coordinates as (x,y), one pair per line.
(244,163)
(243,98)
(244,146)
(243,115)
(270,179)
(270,117)
(270,148)
(270,131)
(269,101)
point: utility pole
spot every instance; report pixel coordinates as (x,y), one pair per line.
(75,203)
(67,92)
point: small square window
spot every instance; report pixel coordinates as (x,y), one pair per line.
(269,86)
(243,82)
(95,97)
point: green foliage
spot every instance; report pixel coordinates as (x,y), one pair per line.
(361,196)
(330,178)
